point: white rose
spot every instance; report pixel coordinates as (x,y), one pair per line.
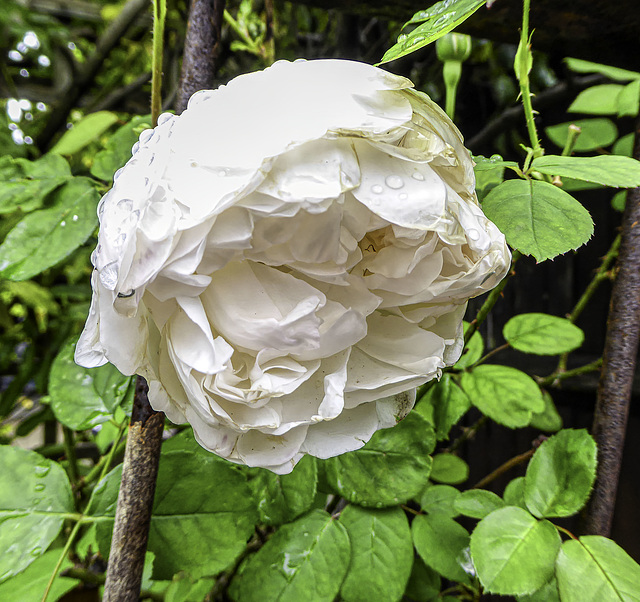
(288,256)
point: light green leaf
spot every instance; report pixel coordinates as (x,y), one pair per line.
(597,100)
(628,101)
(192,529)
(437,20)
(26,184)
(477,503)
(542,334)
(547,593)
(443,405)
(442,543)
(81,398)
(595,569)
(183,588)
(514,493)
(595,133)
(624,146)
(561,474)
(35,495)
(608,170)
(538,218)
(450,469)
(45,237)
(619,201)
(304,560)
(440,499)
(381,554)
(390,469)
(548,420)
(582,66)
(506,395)
(424,583)
(30,585)
(84,132)
(282,498)
(514,554)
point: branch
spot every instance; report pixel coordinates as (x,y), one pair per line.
(620,351)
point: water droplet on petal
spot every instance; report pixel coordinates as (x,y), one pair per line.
(473,234)
(377,189)
(403,197)
(109,275)
(417,176)
(121,239)
(394,182)
(125,204)
(222,173)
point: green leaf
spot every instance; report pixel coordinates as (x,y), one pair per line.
(424,583)
(194,528)
(381,554)
(30,585)
(506,395)
(597,100)
(35,494)
(118,148)
(440,499)
(304,560)
(624,146)
(595,133)
(450,469)
(538,218)
(619,201)
(472,351)
(542,334)
(547,593)
(595,569)
(561,474)
(514,554)
(628,101)
(282,498)
(25,184)
(442,543)
(477,503)
(491,163)
(548,420)
(45,237)
(437,20)
(582,66)
(514,493)
(608,170)
(185,589)
(81,398)
(443,405)
(84,132)
(390,469)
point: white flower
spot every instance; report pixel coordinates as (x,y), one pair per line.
(287,257)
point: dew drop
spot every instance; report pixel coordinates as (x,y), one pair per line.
(43,470)
(194,164)
(377,189)
(394,182)
(109,275)
(63,223)
(473,234)
(417,176)
(403,196)
(39,487)
(36,551)
(145,136)
(75,218)
(125,204)
(222,173)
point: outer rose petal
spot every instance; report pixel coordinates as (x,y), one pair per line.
(289,258)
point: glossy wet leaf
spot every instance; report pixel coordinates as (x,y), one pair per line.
(424,583)
(608,170)
(443,405)
(549,419)
(390,469)
(538,218)
(381,554)
(561,474)
(449,468)
(45,237)
(304,560)
(440,499)
(514,493)
(83,132)
(436,21)
(595,133)
(597,100)
(442,543)
(35,495)
(514,553)
(542,334)
(477,503)
(504,394)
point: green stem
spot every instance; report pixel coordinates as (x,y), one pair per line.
(118,444)
(65,551)
(557,376)
(159,14)
(70,452)
(241,33)
(98,472)
(485,357)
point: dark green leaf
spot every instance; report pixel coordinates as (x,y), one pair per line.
(381,554)
(595,133)
(548,420)
(514,554)
(538,218)
(390,469)
(450,469)
(304,560)
(582,66)
(443,405)
(505,394)
(424,583)
(561,474)
(595,569)
(442,543)
(440,499)
(437,20)
(619,201)
(597,100)
(81,398)
(608,170)
(45,237)
(35,495)
(477,503)
(542,334)
(514,493)
(84,132)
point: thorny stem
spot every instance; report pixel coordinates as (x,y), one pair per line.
(468,433)
(508,465)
